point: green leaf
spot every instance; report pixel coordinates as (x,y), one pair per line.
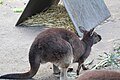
(106,54)
(18,10)
(100,55)
(1,2)
(89,63)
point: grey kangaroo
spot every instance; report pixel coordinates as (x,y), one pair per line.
(60,47)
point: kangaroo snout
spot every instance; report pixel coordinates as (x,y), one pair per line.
(98,38)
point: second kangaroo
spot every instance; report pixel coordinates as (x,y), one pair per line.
(60,47)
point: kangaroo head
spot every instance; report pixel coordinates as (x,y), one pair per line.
(90,36)
(96,38)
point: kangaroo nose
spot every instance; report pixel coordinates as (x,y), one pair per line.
(100,38)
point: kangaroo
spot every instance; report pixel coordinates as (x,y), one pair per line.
(60,47)
(100,75)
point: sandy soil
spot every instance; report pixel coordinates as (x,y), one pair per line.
(15,41)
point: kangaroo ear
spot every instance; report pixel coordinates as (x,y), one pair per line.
(91,31)
(82,29)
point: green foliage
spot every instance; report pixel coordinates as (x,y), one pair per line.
(1,2)
(18,10)
(109,59)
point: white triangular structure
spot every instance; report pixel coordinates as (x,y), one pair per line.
(86,13)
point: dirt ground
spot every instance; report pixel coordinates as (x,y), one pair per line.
(15,41)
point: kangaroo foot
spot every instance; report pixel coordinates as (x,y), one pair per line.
(56,70)
(70,69)
(84,67)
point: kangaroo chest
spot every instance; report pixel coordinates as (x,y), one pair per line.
(87,53)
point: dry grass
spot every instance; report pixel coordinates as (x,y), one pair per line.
(55,17)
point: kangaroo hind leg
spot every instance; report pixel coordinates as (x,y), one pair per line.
(68,59)
(56,69)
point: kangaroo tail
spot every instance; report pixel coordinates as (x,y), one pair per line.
(26,75)
(34,64)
